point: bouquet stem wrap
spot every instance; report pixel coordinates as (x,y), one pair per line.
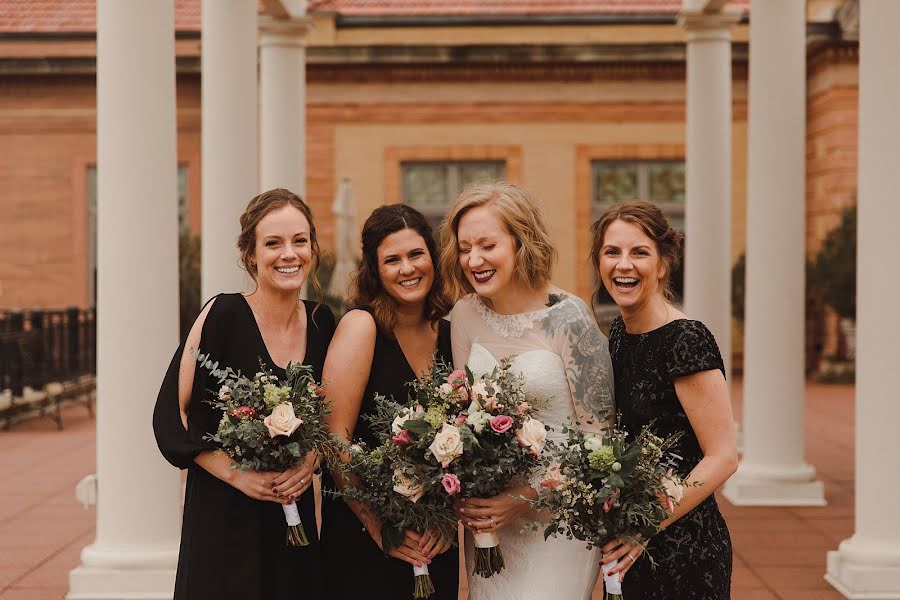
(296,535)
(424,585)
(612,584)
(488,558)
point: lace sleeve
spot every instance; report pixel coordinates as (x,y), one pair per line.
(692,349)
(585,353)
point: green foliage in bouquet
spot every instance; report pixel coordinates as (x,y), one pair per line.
(403,494)
(607,487)
(267,424)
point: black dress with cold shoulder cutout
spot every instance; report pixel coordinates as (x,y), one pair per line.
(232,546)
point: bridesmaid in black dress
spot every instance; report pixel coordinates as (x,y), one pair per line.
(233,533)
(668,372)
(385,343)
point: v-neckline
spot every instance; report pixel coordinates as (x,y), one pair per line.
(409,367)
(262,340)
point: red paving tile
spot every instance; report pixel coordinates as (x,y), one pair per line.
(779,553)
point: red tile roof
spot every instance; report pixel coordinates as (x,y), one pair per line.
(75,16)
(79,16)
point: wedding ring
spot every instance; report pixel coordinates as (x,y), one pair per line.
(302,481)
(493,524)
(631,556)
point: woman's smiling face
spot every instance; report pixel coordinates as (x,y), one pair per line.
(487,252)
(630,266)
(283,251)
(405,267)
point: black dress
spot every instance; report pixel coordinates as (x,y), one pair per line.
(693,555)
(355,567)
(232,546)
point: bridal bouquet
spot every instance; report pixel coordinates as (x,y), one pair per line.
(604,488)
(270,425)
(482,434)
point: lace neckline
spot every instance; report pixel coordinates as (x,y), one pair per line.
(513,325)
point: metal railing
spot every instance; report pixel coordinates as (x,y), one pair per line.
(41,347)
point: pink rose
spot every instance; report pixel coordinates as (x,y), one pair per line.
(607,506)
(460,420)
(457,378)
(501,423)
(451,484)
(554,478)
(402,438)
(242,412)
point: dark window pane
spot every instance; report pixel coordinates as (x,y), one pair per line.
(425,184)
(614,182)
(433,185)
(667,183)
(479,172)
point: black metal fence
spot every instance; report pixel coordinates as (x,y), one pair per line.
(41,346)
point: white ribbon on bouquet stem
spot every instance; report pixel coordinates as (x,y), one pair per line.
(291,514)
(486,539)
(612,583)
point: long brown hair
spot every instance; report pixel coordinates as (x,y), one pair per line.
(258,208)
(368,289)
(652,222)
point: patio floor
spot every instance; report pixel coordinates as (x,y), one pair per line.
(779,552)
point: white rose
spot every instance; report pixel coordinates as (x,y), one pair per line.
(399,420)
(407,487)
(533,435)
(447,444)
(474,407)
(445,391)
(282,421)
(478,420)
(592,442)
(479,392)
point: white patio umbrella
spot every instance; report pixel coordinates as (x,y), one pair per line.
(345,240)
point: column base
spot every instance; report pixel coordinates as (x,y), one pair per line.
(123,574)
(861,570)
(777,486)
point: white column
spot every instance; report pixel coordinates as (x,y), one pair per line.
(138,510)
(282,66)
(707,270)
(868,564)
(229,140)
(773,471)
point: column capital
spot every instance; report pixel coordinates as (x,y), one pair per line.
(283,32)
(708,27)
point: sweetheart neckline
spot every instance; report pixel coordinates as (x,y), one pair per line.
(516,356)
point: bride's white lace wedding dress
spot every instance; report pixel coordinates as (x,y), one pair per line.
(564,359)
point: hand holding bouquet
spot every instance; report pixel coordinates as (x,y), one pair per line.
(405,493)
(270,425)
(604,488)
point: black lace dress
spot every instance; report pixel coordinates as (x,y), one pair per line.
(355,567)
(232,546)
(693,555)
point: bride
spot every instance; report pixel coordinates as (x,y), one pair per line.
(497,256)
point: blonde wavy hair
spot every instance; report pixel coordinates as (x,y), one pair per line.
(524,221)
